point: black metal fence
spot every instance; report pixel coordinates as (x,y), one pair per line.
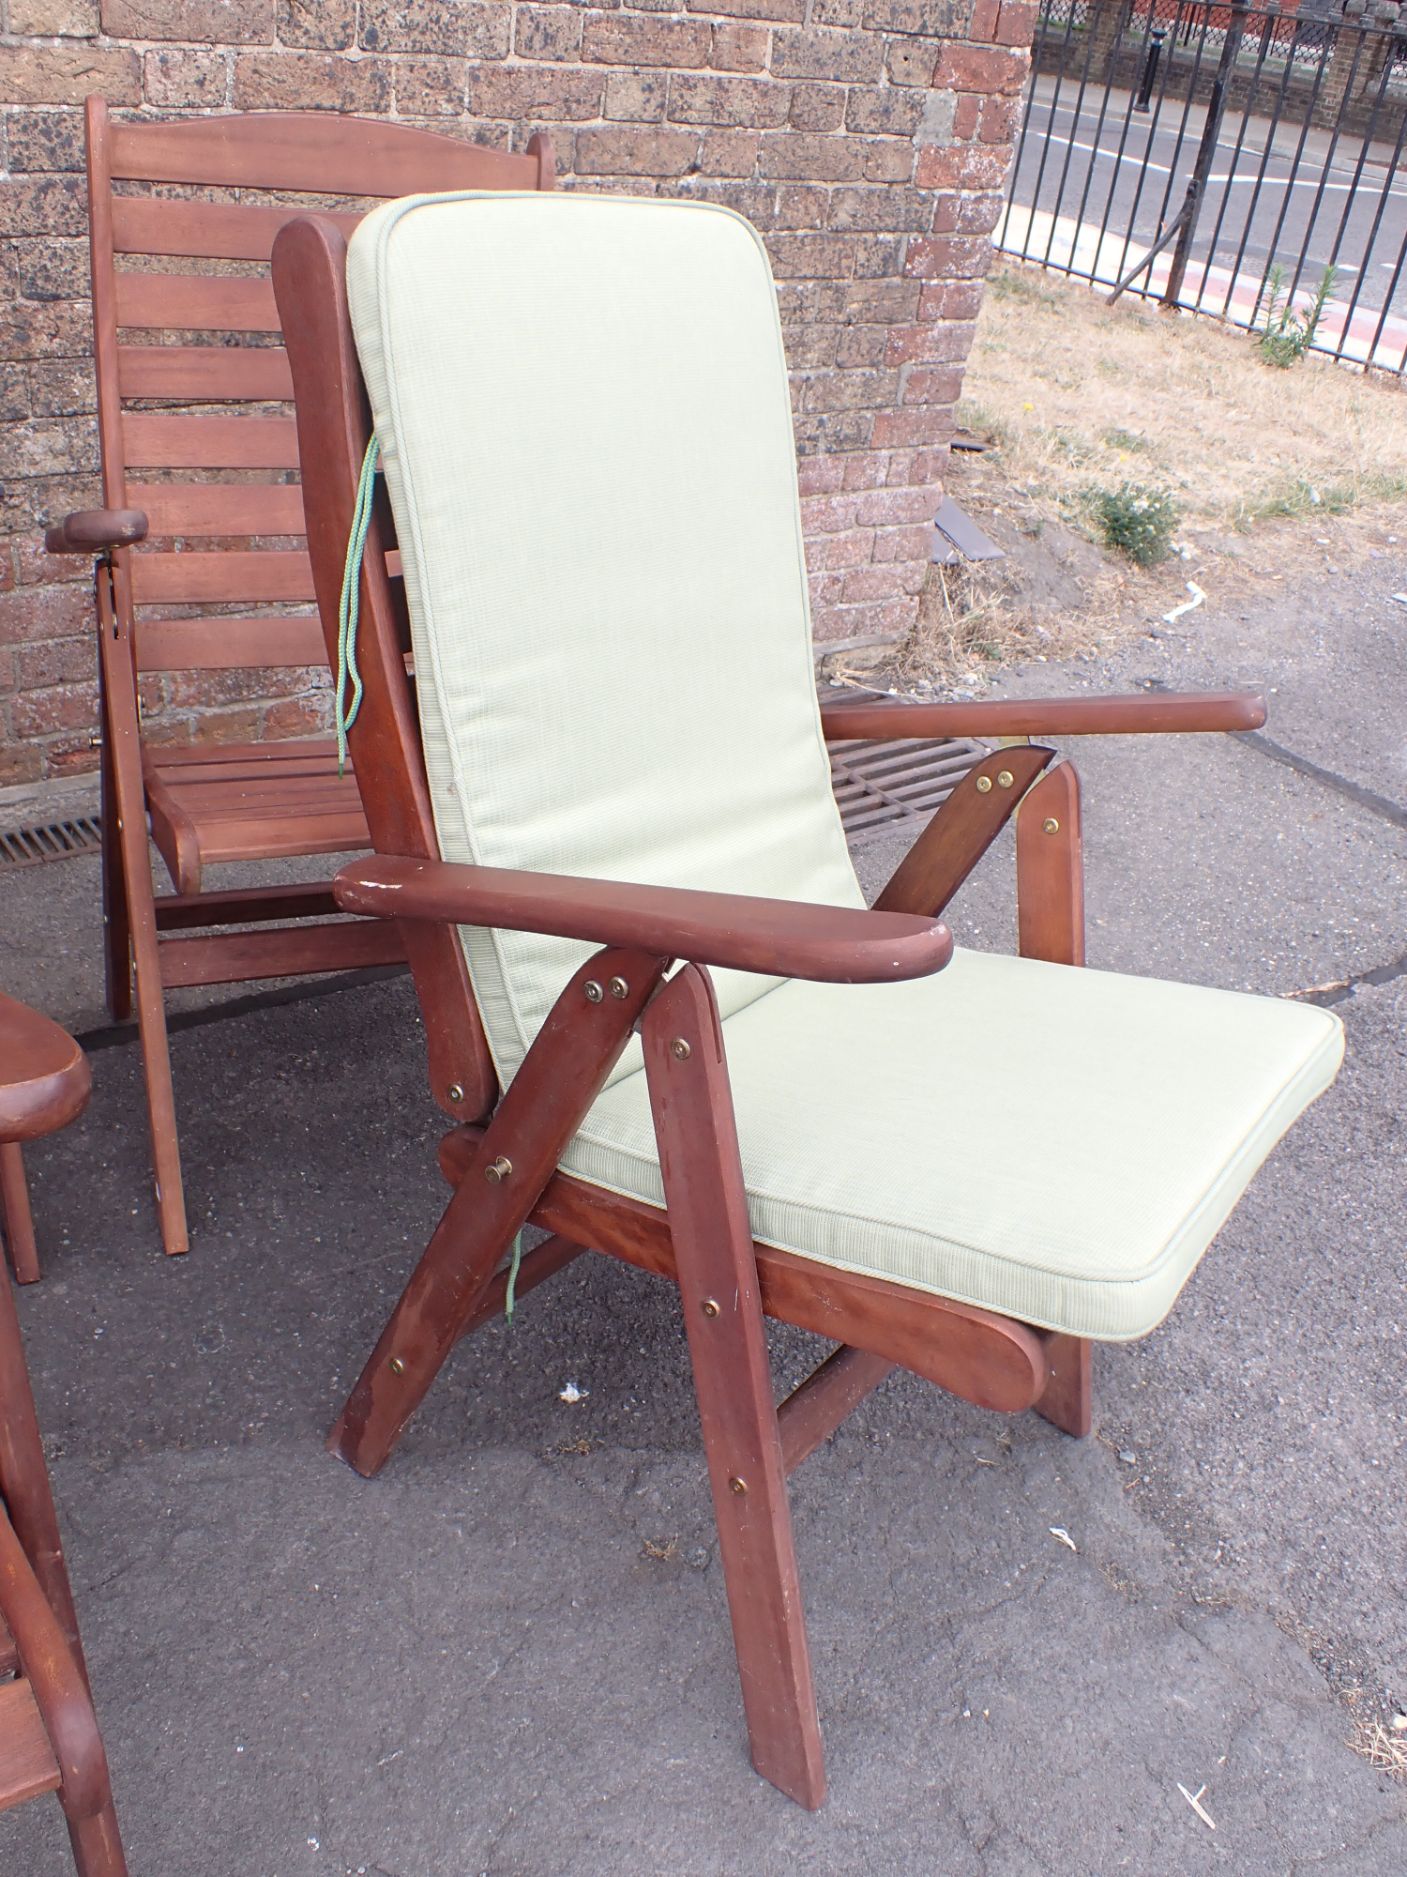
(1240,160)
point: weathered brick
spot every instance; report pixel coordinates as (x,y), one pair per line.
(42,449)
(475,29)
(636,97)
(985,14)
(771,10)
(851,390)
(14,393)
(817,107)
(891,209)
(739,48)
(537,92)
(859,345)
(881,302)
(1017,24)
(877,582)
(1000,117)
(938,167)
(57,329)
(802,205)
(57,661)
(318,25)
(317,81)
(948,257)
(888,507)
(19,762)
(910,428)
(61,707)
(913,61)
(934,18)
(865,471)
(884,623)
(756,103)
(826,552)
(967,114)
(878,256)
(728,152)
(813,348)
(62,387)
(547,32)
(634,39)
(806,157)
(821,476)
(816,257)
(888,111)
(937,343)
(44,140)
(54,19)
(628,152)
(48,270)
(984,69)
(429,87)
(828,513)
(820,52)
(69,74)
(939,385)
(213,22)
(307,715)
(182,78)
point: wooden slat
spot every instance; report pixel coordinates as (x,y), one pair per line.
(209,374)
(27,1763)
(251,577)
(198,302)
(162,442)
(227,644)
(245,905)
(331,155)
(283,952)
(229,231)
(305,752)
(9,1657)
(215,508)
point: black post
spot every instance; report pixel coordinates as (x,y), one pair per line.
(1206,150)
(1150,66)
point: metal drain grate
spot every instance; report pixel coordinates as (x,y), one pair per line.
(877,783)
(56,840)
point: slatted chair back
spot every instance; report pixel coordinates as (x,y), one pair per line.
(193,382)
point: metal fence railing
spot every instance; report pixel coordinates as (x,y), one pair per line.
(1224,158)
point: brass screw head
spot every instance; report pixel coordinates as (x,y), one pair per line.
(619,988)
(592,991)
(681,1049)
(1005,778)
(984,785)
(710,1306)
(498,1170)
(456,1092)
(396,1366)
(1050,825)
(737,1485)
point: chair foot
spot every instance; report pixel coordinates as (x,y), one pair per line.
(718,1286)
(1068,1400)
(15,1216)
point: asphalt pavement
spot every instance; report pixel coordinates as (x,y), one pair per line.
(509,1654)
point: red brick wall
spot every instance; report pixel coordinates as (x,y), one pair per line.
(867,139)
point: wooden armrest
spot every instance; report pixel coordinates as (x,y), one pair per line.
(50,1668)
(1150,713)
(837,944)
(95,530)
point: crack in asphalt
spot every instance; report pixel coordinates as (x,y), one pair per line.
(119,1035)
(1330,778)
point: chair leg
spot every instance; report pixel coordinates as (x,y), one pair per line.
(717,1272)
(15,1216)
(545,1104)
(97,1847)
(117,933)
(1068,1400)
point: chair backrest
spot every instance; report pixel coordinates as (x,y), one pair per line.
(193,383)
(584,417)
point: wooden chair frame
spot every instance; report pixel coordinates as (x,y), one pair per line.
(502,1157)
(49,1739)
(232,803)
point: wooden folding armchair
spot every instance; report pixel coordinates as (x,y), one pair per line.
(198,461)
(581,405)
(49,1739)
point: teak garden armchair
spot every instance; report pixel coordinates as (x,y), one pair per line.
(201,566)
(581,406)
(49,1739)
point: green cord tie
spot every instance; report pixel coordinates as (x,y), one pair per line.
(349,605)
(513,1276)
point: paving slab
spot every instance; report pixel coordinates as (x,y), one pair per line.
(510,1654)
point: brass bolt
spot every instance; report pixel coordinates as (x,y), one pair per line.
(498,1170)
(619,988)
(984,785)
(710,1306)
(593,991)
(1050,825)
(1005,779)
(681,1049)
(396,1366)
(737,1485)
(456,1091)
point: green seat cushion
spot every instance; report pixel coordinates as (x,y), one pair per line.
(1056,1144)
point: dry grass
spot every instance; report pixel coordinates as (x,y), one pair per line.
(1380,1747)
(1080,395)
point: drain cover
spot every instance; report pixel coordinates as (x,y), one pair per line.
(56,840)
(879,783)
